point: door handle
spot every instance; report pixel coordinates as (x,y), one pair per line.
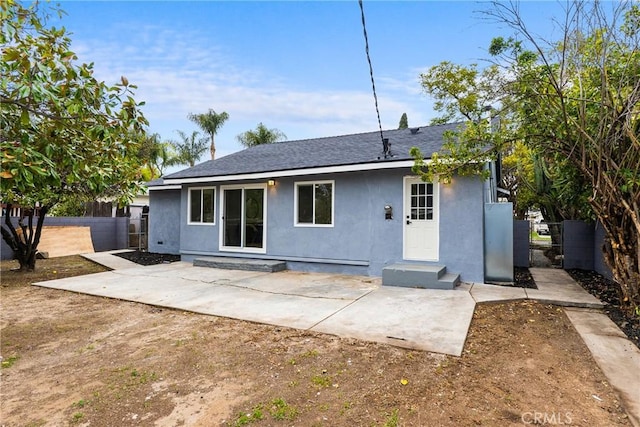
(408,222)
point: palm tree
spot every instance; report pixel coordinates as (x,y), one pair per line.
(261,135)
(191,148)
(167,156)
(210,122)
(156,155)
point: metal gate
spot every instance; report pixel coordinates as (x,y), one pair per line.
(546,244)
(138,232)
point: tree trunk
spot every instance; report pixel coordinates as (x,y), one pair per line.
(622,255)
(213,148)
(553,217)
(24,243)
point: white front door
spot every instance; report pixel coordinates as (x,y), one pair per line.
(421,218)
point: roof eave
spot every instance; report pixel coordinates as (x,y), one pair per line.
(294,172)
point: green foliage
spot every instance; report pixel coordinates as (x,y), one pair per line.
(9,362)
(464,153)
(64,132)
(261,135)
(518,176)
(81,403)
(156,155)
(464,94)
(392,419)
(280,410)
(404,122)
(574,103)
(253,416)
(190,149)
(210,123)
(72,205)
(321,381)
(77,417)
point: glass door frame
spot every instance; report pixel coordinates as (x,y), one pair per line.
(242,248)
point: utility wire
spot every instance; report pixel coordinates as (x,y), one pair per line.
(373,83)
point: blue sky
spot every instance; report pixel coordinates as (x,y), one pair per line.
(296,66)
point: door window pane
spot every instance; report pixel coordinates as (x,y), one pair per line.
(232,217)
(253,225)
(421,201)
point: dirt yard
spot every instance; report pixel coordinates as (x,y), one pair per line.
(77,360)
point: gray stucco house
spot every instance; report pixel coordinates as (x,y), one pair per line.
(336,204)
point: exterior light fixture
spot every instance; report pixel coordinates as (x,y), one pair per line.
(388,212)
(271,182)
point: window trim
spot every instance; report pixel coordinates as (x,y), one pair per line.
(297,184)
(215,193)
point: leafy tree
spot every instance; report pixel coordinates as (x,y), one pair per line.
(465,94)
(191,148)
(582,97)
(210,123)
(404,121)
(63,132)
(72,205)
(575,103)
(261,135)
(518,173)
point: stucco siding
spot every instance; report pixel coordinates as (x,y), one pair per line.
(461,228)
(165,221)
(361,240)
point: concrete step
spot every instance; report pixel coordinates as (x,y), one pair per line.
(419,276)
(247,264)
(450,279)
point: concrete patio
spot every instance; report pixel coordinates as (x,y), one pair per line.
(343,305)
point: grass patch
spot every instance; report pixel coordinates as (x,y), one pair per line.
(81,403)
(250,417)
(392,419)
(321,380)
(9,361)
(77,417)
(280,410)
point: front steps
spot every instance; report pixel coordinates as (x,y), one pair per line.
(246,264)
(419,276)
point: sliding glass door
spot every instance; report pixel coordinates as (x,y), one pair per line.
(243,218)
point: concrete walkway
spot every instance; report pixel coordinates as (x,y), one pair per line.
(618,357)
(109,260)
(359,307)
(554,287)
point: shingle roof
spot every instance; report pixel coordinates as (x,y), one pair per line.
(321,152)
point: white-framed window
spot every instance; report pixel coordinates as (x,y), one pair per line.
(202,205)
(314,203)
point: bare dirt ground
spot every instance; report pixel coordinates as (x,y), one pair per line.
(77,360)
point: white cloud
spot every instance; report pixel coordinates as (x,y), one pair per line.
(181,72)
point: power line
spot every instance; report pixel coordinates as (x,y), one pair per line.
(373,83)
